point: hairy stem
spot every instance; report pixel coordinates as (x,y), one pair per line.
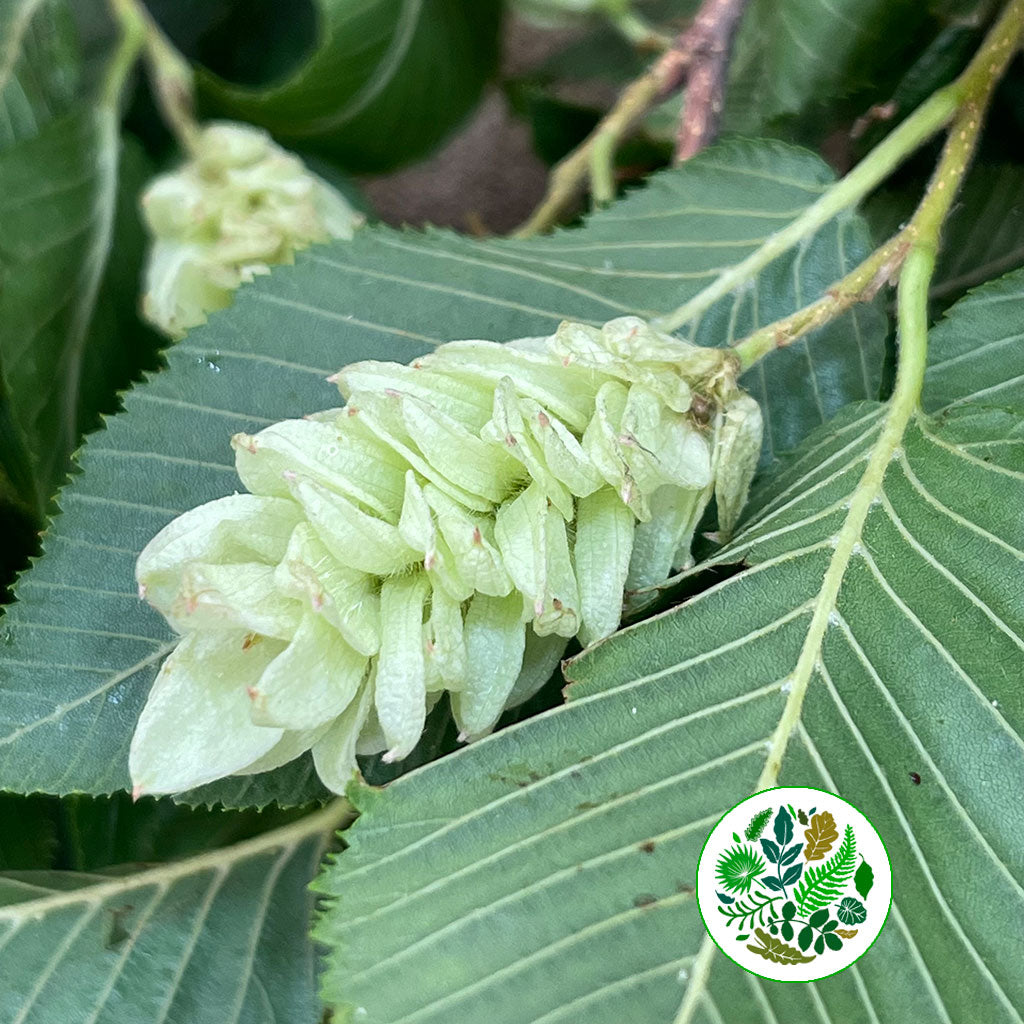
(931,116)
(972,87)
(864,282)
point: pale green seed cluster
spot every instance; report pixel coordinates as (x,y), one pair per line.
(450,529)
(237,207)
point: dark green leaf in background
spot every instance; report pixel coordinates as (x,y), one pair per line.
(795,54)
(71,253)
(39,66)
(388,79)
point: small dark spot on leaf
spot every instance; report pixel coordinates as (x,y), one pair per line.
(915,778)
(686,888)
(116,931)
(645,899)
(647,847)
(587,805)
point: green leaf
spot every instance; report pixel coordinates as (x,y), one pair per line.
(776,950)
(219,937)
(387,81)
(783,827)
(976,351)
(39,71)
(39,66)
(758,823)
(818,918)
(671,722)
(864,879)
(57,202)
(795,54)
(851,911)
(81,650)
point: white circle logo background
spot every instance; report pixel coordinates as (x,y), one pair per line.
(724,927)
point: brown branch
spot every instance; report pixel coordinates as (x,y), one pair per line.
(700,55)
(708,44)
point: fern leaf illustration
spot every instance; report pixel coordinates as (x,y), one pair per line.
(757,824)
(822,884)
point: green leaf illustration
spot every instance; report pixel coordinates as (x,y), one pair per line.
(864,879)
(738,867)
(821,885)
(805,937)
(783,827)
(777,951)
(851,911)
(758,823)
(793,874)
(832,940)
(818,918)
(791,854)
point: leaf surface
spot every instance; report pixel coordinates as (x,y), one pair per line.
(79,649)
(218,938)
(916,665)
(39,66)
(792,55)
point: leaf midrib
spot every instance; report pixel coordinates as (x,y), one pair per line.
(902,407)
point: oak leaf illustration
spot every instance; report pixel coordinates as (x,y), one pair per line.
(820,836)
(776,950)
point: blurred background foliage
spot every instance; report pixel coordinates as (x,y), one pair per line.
(447,112)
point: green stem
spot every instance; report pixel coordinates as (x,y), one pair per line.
(635,28)
(172,78)
(595,154)
(932,115)
(130,44)
(973,86)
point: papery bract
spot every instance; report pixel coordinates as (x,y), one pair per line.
(450,530)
